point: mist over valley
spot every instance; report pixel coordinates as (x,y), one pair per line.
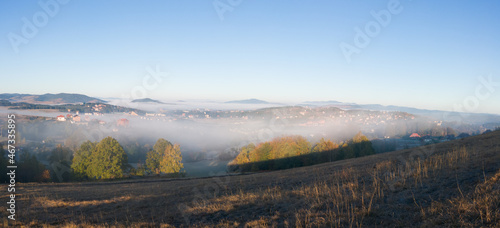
(211,133)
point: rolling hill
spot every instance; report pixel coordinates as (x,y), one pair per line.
(456,183)
(451,116)
(248,101)
(146,100)
(60,98)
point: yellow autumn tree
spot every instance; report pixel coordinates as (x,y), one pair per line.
(164,158)
(325,145)
(171,160)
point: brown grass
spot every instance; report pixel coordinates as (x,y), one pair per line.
(449,184)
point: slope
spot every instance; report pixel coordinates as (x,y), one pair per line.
(454,183)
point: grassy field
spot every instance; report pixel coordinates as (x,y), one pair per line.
(455,183)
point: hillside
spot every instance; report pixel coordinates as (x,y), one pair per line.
(470,118)
(82,108)
(455,183)
(60,98)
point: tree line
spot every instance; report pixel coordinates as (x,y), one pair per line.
(32,168)
(108,160)
(82,108)
(94,160)
(296,151)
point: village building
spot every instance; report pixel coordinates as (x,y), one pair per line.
(61,118)
(122,122)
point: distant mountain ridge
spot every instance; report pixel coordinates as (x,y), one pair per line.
(146,100)
(48,98)
(435,114)
(458,117)
(322,102)
(7,96)
(248,101)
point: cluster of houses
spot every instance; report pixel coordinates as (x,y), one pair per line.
(415,140)
(98,107)
(76,119)
(429,139)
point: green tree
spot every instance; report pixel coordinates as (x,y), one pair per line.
(289,146)
(32,169)
(61,155)
(81,160)
(108,159)
(139,171)
(347,151)
(361,145)
(74,140)
(60,162)
(264,152)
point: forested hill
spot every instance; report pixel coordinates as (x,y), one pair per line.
(146,100)
(81,108)
(48,98)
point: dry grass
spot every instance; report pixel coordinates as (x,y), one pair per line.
(478,208)
(449,184)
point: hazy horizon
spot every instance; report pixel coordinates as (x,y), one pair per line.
(225,104)
(402,53)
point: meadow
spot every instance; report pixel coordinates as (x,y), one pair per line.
(455,183)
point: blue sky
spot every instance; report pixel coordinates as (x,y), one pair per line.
(429,55)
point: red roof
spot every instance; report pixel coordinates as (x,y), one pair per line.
(60,116)
(122,122)
(414,135)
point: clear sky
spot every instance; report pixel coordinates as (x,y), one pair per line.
(429,54)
